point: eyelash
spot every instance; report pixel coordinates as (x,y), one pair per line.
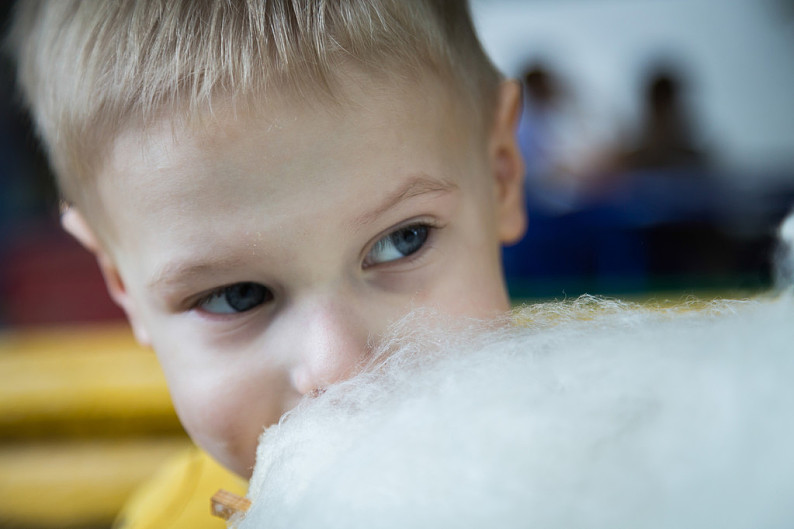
(431,227)
(223,291)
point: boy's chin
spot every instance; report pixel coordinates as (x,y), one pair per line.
(587,413)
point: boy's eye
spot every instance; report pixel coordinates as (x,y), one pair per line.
(239,297)
(398,244)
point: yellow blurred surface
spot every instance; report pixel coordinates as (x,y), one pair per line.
(85,419)
(76,483)
(89,381)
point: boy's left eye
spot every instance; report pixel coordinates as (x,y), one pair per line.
(398,244)
(236,298)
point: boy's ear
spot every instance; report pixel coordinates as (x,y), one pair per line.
(507,165)
(75,224)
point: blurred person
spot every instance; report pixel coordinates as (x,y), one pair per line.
(568,148)
(565,145)
(666,139)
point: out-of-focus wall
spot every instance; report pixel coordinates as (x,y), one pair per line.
(737,54)
(658,137)
(46,278)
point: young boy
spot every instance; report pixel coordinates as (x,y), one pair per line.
(268,185)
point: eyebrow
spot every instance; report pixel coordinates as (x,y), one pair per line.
(417,185)
(178,273)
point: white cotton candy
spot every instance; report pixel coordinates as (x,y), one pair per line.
(784,262)
(581,414)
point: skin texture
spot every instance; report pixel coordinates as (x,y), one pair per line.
(295,199)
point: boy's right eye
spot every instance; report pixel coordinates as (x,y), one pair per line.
(232,299)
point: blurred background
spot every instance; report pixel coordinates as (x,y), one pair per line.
(659,144)
(659,140)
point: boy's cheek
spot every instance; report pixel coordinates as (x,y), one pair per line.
(223,423)
(462,294)
(474,288)
(202,389)
(225,406)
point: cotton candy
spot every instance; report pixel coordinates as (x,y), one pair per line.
(586,413)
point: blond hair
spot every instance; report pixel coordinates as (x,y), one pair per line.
(86,68)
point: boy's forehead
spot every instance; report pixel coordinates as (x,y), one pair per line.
(364,107)
(283,152)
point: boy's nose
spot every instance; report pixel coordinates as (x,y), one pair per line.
(333,343)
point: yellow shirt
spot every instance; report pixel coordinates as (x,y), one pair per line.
(178,496)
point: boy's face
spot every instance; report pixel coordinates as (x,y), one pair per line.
(263,257)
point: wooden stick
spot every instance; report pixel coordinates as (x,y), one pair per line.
(225,504)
